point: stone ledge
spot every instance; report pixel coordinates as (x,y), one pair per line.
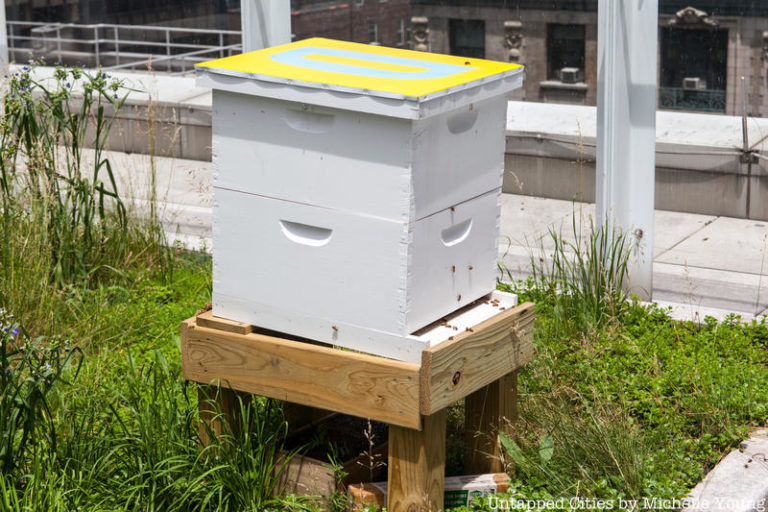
(739,482)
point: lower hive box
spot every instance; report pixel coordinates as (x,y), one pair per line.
(346,279)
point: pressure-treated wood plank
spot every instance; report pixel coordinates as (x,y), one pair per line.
(455,368)
(206,319)
(337,380)
(416,467)
(488,411)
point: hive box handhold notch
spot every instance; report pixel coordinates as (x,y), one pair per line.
(356,189)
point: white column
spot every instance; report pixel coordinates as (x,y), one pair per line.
(3,37)
(626,128)
(265,23)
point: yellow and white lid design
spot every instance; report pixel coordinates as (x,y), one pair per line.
(330,63)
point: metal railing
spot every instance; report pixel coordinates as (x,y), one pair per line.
(705,100)
(112,46)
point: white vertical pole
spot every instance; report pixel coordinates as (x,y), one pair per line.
(626,128)
(3,38)
(265,23)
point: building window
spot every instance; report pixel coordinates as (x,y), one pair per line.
(565,49)
(401,32)
(373,33)
(359,2)
(694,63)
(467,38)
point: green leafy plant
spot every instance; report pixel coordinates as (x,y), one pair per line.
(29,369)
(545,452)
(339,501)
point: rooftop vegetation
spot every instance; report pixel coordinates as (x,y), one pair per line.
(620,401)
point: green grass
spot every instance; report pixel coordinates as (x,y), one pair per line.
(126,425)
(620,400)
(641,407)
(583,279)
(94,413)
(644,407)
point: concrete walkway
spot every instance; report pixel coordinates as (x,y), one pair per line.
(704,265)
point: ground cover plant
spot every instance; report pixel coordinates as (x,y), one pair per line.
(620,401)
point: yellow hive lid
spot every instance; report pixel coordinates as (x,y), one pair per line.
(342,64)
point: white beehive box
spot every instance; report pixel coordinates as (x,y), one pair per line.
(356,189)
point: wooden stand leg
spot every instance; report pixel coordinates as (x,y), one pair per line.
(488,411)
(216,406)
(416,469)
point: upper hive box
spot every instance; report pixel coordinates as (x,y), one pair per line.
(356,188)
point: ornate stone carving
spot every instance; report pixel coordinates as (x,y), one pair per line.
(765,46)
(420,33)
(692,17)
(513,40)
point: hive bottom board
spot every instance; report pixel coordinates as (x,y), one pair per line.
(402,348)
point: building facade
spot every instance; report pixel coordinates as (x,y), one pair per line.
(183,13)
(383,22)
(705,47)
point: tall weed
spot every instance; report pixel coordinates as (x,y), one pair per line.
(573,440)
(44,172)
(584,279)
(65,227)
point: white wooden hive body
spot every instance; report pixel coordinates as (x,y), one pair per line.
(354,227)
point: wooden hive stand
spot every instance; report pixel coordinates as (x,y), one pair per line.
(477,364)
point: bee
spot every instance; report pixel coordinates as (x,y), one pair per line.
(450,338)
(471,267)
(469,329)
(453,208)
(458,298)
(335,329)
(453,268)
